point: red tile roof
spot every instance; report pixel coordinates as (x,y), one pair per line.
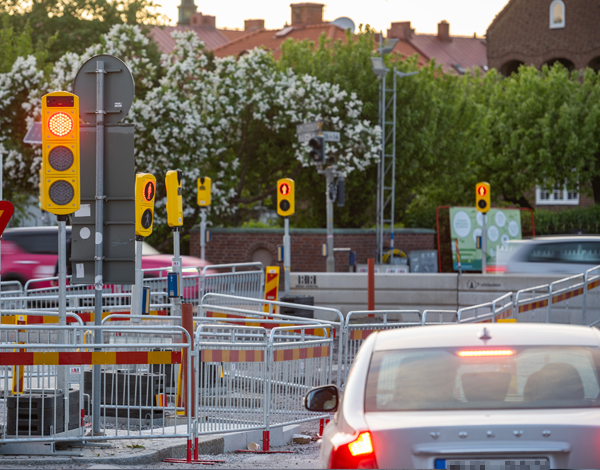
(233,34)
(456,55)
(272,39)
(211,37)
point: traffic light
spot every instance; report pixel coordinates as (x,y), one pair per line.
(174,198)
(482,197)
(204,184)
(145,191)
(285,197)
(317,149)
(59,183)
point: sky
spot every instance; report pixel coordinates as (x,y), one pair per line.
(465,16)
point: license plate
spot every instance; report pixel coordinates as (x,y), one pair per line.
(493,464)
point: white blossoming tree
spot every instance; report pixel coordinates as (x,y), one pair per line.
(232,120)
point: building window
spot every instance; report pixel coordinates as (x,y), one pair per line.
(558,195)
(557,14)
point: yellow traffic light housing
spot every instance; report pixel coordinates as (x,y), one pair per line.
(174,198)
(204,188)
(285,197)
(59,183)
(482,197)
(145,192)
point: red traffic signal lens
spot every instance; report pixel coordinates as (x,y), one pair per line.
(60,124)
(284,189)
(148,192)
(481,191)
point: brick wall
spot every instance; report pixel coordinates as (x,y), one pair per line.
(243,245)
(521,32)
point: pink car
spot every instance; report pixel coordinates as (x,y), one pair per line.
(31,253)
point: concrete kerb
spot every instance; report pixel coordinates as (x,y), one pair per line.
(157,450)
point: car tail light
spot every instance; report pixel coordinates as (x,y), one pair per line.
(353,452)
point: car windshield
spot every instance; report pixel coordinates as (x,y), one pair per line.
(37,243)
(476,378)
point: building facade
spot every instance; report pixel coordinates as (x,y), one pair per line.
(538,32)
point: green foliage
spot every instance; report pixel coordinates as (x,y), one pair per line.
(564,222)
(20,45)
(74,25)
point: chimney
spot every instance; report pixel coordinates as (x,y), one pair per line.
(444,31)
(253,25)
(198,19)
(307,13)
(400,30)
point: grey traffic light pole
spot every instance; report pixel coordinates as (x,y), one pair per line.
(484,244)
(202,232)
(136,300)
(98,238)
(329,175)
(62,379)
(287,258)
(177,269)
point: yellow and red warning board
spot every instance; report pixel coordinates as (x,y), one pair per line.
(271,285)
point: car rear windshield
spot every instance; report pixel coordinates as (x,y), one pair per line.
(498,378)
(41,243)
(571,252)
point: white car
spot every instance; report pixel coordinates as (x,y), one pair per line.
(493,395)
(555,255)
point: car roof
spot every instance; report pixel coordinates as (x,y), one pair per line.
(502,334)
(565,238)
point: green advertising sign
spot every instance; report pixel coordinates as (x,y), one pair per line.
(466,224)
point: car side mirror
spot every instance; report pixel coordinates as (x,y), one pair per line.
(324,399)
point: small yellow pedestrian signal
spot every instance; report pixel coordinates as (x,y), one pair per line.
(482,197)
(174,198)
(285,197)
(204,188)
(145,192)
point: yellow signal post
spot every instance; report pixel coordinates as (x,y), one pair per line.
(59,184)
(286,197)
(204,188)
(204,200)
(174,198)
(483,204)
(482,197)
(145,192)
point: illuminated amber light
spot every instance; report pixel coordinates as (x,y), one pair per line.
(487,353)
(362,445)
(60,124)
(481,191)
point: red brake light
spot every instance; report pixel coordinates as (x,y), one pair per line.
(60,124)
(355,452)
(486,353)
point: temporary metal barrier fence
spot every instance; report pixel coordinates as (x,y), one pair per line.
(490,312)
(439,317)
(241,280)
(360,324)
(131,401)
(213,304)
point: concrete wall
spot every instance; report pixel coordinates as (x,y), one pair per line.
(348,291)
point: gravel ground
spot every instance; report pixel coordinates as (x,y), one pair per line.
(301,456)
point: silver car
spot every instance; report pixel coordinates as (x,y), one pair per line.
(494,395)
(555,255)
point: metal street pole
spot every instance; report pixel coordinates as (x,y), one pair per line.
(62,378)
(202,232)
(177,269)
(484,245)
(99,220)
(136,301)
(287,259)
(329,174)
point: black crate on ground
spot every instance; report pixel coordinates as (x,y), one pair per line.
(34,413)
(126,388)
